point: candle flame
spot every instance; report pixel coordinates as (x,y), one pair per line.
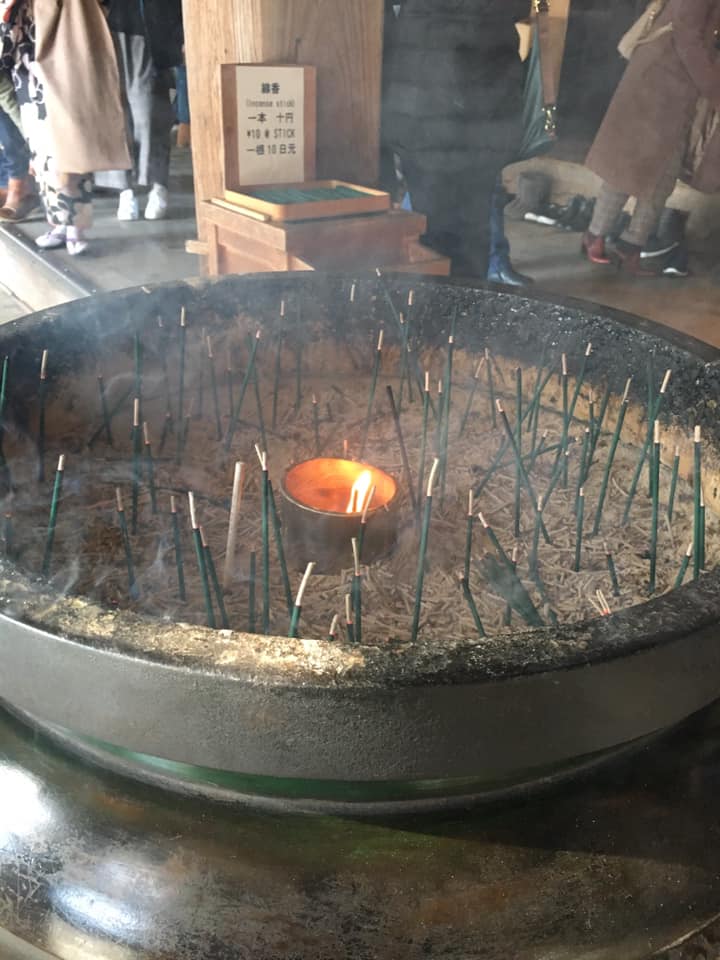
(359,493)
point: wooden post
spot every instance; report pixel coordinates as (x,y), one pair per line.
(342,38)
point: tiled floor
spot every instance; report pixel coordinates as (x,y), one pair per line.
(10,306)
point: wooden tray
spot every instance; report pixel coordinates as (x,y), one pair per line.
(314,200)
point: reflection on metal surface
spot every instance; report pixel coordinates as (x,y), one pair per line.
(22,810)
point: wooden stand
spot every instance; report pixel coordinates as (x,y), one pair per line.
(243,244)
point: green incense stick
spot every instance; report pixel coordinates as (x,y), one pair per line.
(277,533)
(420,577)
(518,443)
(113,411)
(534,568)
(138,353)
(582,471)
(265,533)
(217,589)
(471,397)
(177,543)
(133,588)
(507,617)
(258,398)
(702,530)
(673,483)
(655,494)
(364,519)
(165,432)
(150,468)
(103,407)
(468,536)
(579,383)
(41,417)
(598,425)
(181,387)
(684,566)
(447,406)
(136,448)
(521,468)
(652,416)
(202,565)
(235,416)
(297,608)
(214,388)
(373,386)
(251,592)
(403,449)
(579,530)
(566,418)
(423,440)
(52,522)
(612,571)
(357,591)
(611,457)
(470,600)
(697,488)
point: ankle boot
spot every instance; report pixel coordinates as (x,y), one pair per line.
(22,198)
(593,248)
(630,260)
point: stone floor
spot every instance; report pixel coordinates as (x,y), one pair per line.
(10,306)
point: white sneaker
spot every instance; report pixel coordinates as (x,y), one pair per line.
(52,239)
(157,203)
(128,206)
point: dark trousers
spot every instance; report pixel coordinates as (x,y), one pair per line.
(14,153)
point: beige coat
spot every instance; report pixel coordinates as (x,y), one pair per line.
(650,115)
(75,59)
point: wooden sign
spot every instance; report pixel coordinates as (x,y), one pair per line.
(269,123)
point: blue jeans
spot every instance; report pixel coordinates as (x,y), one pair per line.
(14,154)
(182,105)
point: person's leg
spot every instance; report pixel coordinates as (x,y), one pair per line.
(608,208)
(161,121)
(500,269)
(21,197)
(68,206)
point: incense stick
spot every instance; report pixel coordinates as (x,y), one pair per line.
(265,532)
(612,571)
(235,501)
(582,471)
(403,450)
(277,533)
(521,468)
(41,419)
(52,522)
(103,407)
(655,494)
(468,536)
(447,405)
(423,548)
(297,608)
(235,415)
(214,388)
(507,618)
(150,466)
(136,447)
(579,530)
(333,631)
(566,417)
(217,589)
(138,367)
(357,591)
(673,483)
(518,443)
(684,566)
(202,565)
(258,399)
(364,518)
(611,456)
(181,386)
(470,600)
(491,387)
(471,396)
(177,543)
(652,416)
(373,387)
(697,487)
(133,588)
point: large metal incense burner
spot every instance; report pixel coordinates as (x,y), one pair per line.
(325,722)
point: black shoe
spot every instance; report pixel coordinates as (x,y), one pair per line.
(504,273)
(676,263)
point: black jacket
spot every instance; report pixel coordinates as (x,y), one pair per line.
(160,21)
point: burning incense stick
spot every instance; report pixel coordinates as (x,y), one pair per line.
(611,457)
(217,589)
(181,386)
(447,405)
(373,387)
(697,488)
(673,483)
(468,536)
(202,565)
(333,631)
(403,450)
(579,530)
(655,494)
(133,588)
(612,571)
(357,591)
(316,424)
(470,600)
(521,468)
(491,386)
(103,406)
(277,533)
(177,543)
(235,416)
(41,419)
(684,566)
(423,548)
(57,490)
(471,396)
(136,447)
(265,532)
(235,501)
(150,467)
(251,592)
(702,530)
(349,626)
(214,388)
(652,416)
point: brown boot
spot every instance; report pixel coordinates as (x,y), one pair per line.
(3,196)
(631,262)
(21,199)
